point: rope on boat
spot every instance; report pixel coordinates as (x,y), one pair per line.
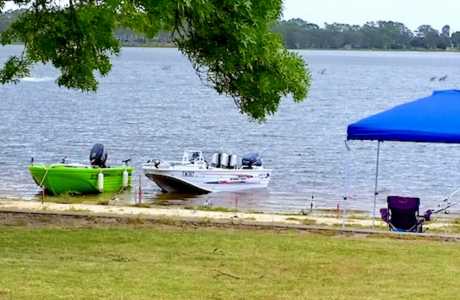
(41,183)
(44,176)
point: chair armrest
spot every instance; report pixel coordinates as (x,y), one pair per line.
(427,215)
(385,215)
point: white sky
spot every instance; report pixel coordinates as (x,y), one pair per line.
(410,12)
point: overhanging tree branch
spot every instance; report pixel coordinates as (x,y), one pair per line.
(228,42)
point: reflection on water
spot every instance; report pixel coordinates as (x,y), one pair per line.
(152,105)
(239,201)
(246,201)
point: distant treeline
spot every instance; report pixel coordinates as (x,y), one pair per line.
(7,18)
(300,34)
(126,36)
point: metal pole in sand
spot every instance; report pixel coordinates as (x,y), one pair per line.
(140,190)
(346,197)
(376,184)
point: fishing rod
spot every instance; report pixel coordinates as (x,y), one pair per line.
(447,203)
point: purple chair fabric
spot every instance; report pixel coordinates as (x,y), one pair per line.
(404,203)
(385,214)
(403,214)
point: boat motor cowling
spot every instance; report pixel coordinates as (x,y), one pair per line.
(98,156)
(215,160)
(233,161)
(251,160)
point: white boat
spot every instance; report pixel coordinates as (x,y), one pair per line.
(195,175)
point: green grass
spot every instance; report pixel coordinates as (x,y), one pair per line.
(143,205)
(101,199)
(176,263)
(452,228)
(211,208)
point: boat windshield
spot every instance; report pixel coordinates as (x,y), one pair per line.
(192,156)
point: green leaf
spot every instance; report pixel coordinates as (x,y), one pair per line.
(14,69)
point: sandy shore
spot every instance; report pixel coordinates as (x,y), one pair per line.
(323,218)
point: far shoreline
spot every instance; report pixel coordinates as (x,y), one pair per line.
(321,49)
(171,46)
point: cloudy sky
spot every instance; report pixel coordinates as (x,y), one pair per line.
(410,12)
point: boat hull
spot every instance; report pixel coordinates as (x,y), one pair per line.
(202,181)
(61,178)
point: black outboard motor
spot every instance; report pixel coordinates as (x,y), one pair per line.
(98,156)
(251,160)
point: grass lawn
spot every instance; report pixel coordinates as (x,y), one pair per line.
(176,263)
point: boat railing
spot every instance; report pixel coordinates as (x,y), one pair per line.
(177,163)
(198,164)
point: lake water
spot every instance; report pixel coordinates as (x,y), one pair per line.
(152,105)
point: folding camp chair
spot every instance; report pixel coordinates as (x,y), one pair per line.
(402,214)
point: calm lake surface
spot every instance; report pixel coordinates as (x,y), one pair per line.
(152,105)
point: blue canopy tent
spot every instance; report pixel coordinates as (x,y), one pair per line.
(434,119)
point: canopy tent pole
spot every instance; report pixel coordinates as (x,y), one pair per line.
(377,164)
(346,196)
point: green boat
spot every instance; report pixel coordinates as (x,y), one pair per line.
(80,179)
(96,178)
